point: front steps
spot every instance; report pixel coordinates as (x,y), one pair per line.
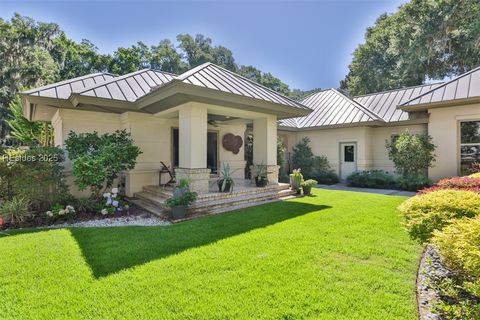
(152,198)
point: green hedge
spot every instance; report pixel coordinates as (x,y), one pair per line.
(432,211)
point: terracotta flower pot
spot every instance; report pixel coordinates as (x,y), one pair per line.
(1,221)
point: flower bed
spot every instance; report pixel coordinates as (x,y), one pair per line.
(43,220)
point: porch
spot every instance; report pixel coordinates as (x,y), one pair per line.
(197,140)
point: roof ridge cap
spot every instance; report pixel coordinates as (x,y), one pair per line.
(63,82)
(127,75)
(369,112)
(259,85)
(193,70)
(314,93)
(161,71)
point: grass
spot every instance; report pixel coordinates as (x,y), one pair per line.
(337,255)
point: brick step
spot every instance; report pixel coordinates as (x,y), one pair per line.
(158,191)
(167,192)
(207,206)
(226,201)
(153,209)
(248,204)
(151,199)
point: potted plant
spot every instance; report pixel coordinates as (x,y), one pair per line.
(182,187)
(307,186)
(261,179)
(226,183)
(296,179)
(181,199)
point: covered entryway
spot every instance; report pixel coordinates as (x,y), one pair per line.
(348,159)
(212,150)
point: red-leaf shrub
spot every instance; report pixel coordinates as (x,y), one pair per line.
(455,183)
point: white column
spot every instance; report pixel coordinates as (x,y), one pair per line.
(265,145)
(193,128)
(265,140)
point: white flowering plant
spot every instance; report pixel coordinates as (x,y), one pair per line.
(59,211)
(113,203)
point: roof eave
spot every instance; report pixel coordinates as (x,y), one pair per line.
(176,87)
(442,104)
(374,123)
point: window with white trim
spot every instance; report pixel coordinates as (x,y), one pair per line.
(469,145)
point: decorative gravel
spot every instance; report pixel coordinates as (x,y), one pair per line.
(116,222)
(430,270)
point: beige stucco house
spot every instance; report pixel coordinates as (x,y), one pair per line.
(181,120)
(352,131)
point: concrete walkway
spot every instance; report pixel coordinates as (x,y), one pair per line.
(343,186)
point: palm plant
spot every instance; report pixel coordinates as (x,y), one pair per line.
(226,182)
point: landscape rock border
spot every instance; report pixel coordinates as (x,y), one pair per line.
(429,270)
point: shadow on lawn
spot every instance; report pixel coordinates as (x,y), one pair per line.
(109,250)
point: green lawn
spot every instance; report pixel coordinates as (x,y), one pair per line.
(337,255)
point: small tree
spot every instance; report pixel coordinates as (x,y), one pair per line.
(303,157)
(98,160)
(26,131)
(412,154)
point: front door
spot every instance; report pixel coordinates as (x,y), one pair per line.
(348,159)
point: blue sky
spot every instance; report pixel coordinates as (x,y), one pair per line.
(307,44)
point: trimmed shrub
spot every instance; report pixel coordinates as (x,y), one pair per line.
(328,177)
(475,175)
(432,211)
(97,160)
(412,182)
(371,179)
(456,183)
(459,245)
(459,183)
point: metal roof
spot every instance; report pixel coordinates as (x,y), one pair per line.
(63,89)
(331,107)
(464,86)
(136,85)
(385,103)
(211,76)
(129,87)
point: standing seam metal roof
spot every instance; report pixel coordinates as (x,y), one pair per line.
(63,89)
(464,86)
(129,87)
(385,103)
(331,107)
(211,76)
(135,85)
